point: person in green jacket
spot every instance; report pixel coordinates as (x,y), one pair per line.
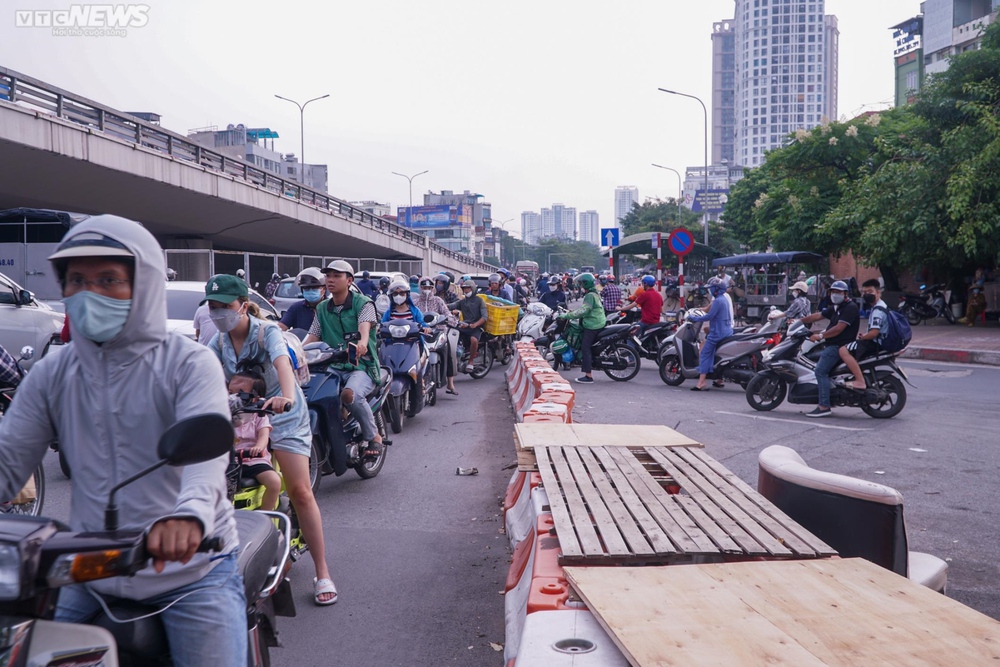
(592,318)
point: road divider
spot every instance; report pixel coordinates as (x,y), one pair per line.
(537,393)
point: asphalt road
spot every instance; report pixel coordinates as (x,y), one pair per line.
(942,452)
(416,553)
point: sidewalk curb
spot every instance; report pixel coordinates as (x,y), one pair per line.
(983,357)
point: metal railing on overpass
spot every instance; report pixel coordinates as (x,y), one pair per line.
(18,88)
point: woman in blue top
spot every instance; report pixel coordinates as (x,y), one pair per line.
(720,325)
(403,307)
(240,344)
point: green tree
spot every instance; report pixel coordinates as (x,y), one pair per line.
(563,254)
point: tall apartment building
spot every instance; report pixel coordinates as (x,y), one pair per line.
(786,73)
(548,224)
(531,227)
(723,91)
(590,227)
(625,197)
(565,222)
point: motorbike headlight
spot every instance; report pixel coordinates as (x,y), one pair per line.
(399,331)
(10,571)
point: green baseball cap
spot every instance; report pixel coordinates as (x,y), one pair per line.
(224,288)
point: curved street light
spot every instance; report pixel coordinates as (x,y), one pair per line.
(409,211)
(302,131)
(705,110)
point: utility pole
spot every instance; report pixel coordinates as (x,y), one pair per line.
(409,211)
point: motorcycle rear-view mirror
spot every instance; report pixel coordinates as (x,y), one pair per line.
(196,440)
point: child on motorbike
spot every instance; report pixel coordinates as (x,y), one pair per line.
(253,431)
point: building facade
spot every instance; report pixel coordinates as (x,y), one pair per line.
(786,73)
(625,197)
(590,227)
(564,222)
(724,91)
(373,207)
(909,56)
(531,227)
(459,222)
(950,27)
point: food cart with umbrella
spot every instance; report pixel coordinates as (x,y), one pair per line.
(764,278)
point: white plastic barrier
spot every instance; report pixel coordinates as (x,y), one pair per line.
(567,638)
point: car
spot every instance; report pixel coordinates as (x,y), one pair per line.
(482,280)
(25,321)
(183,297)
(287,293)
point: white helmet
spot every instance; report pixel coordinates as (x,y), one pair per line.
(398,285)
(310,277)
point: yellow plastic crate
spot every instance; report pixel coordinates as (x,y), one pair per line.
(500,320)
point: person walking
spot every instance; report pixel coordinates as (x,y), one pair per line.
(720,325)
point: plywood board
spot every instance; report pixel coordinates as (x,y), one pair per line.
(842,612)
(529,436)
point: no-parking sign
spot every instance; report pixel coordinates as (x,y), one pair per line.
(681,242)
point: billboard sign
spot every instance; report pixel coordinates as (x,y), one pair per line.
(710,201)
(426,217)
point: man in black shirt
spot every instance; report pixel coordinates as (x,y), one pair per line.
(474,314)
(844,322)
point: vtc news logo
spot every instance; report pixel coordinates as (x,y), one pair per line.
(85,20)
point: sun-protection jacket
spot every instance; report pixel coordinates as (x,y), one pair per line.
(109,404)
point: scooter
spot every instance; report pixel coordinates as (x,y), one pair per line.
(612,352)
(484,357)
(737,358)
(404,353)
(532,326)
(45,555)
(927,305)
(788,371)
(437,349)
(338,443)
(648,342)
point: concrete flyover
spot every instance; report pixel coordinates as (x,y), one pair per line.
(62,151)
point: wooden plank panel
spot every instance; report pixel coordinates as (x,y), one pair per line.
(580,517)
(676,523)
(541,435)
(747,532)
(654,533)
(625,522)
(819,545)
(781,533)
(607,529)
(600,435)
(568,542)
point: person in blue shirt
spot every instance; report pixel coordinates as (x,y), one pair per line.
(367,286)
(720,325)
(300,315)
(403,307)
(555,296)
(542,284)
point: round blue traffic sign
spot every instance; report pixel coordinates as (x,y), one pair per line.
(681,242)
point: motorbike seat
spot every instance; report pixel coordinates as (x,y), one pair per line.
(653,328)
(259,542)
(613,330)
(386,377)
(248,482)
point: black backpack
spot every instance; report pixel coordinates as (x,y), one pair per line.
(897,332)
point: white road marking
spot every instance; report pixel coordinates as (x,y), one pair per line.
(923,362)
(793,421)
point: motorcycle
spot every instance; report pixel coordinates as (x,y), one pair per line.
(532,326)
(337,437)
(437,349)
(403,352)
(484,357)
(612,351)
(648,342)
(31,498)
(737,358)
(45,555)
(928,305)
(788,371)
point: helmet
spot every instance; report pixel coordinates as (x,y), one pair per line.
(275,276)
(494,278)
(340,266)
(365,275)
(586,280)
(240,273)
(469,283)
(310,277)
(451,276)
(648,281)
(611,277)
(603,278)
(398,285)
(801,286)
(554,280)
(442,279)
(171,274)
(383,282)
(713,281)
(522,282)
(285,275)
(840,285)
(414,279)
(503,272)
(717,289)
(545,275)
(426,281)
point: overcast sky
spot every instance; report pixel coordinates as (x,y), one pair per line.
(527,102)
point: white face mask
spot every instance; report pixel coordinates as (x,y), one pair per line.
(427,291)
(399,299)
(225,320)
(836,298)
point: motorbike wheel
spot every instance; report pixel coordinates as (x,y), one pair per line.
(394,413)
(315,463)
(483,362)
(432,396)
(891,398)
(766,392)
(632,363)
(368,468)
(64,465)
(506,351)
(912,317)
(948,315)
(670,371)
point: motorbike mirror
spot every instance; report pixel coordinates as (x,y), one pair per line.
(352,336)
(27,352)
(196,440)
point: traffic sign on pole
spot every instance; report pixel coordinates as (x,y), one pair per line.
(656,240)
(681,242)
(609,237)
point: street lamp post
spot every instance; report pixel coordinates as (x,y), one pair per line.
(705,190)
(302,132)
(680,188)
(409,211)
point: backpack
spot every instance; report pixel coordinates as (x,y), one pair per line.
(897,333)
(297,354)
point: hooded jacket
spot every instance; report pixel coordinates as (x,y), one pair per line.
(109,404)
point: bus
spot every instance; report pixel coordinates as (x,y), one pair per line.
(528,269)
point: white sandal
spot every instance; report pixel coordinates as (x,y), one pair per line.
(322,587)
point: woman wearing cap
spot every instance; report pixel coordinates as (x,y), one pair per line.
(240,344)
(800,306)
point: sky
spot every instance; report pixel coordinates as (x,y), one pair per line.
(528,102)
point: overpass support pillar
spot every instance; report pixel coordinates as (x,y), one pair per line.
(428,258)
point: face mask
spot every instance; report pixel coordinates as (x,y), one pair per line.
(467,293)
(427,291)
(97,317)
(225,320)
(869,299)
(796,294)
(837,298)
(312,295)
(399,299)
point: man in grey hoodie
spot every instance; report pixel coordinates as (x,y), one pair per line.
(108,397)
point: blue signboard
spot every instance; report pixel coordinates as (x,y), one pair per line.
(426,217)
(710,201)
(609,237)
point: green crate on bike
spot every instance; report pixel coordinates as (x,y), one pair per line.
(500,320)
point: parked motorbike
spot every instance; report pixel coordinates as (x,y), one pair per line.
(536,318)
(46,556)
(338,443)
(612,351)
(649,341)
(788,371)
(403,352)
(928,305)
(737,358)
